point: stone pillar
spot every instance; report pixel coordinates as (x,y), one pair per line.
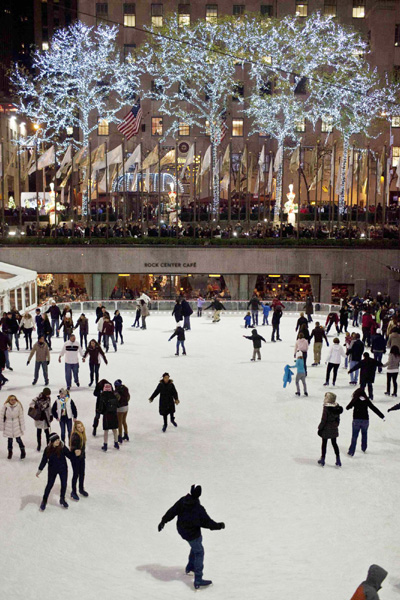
(326,291)
(243,287)
(96,286)
(393,290)
(360,285)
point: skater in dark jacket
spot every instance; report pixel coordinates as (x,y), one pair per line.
(96,393)
(107,405)
(217,306)
(328,428)
(123,397)
(99,312)
(276,319)
(300,321)
(367,368)
(78,450)
(192,516)
(83,325)
(94,351)
(332,319)
(55,455)
(319,335)
(186,312)
(137,317)
(254,305)
(256,338)
(180,339)
(118,323)
(368,589)
(168,399)
(177,311)
(360,403)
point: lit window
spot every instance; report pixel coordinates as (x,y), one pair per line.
(330,8)
(358,9)
(101,11)
(156,126)
(326,125)
(70,131)
(45,45)
(237,127)
(300,126)
(129,15)
(266,10)
(184,129)
(157,15)
(395,121)
(301,8)
(396,151)
(211,13)
(102,126)
(238,10)
(183,15)
(397,35)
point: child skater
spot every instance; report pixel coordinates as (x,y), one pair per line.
(137,317)
(77,447)
(247,320)
(12,424)
(180,339)
(55,455)
(256,338)
(301,373)
(200,302)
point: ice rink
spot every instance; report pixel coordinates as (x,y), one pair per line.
(294,530)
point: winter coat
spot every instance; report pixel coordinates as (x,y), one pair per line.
(107,405)
(392,363)
(177,312)
(144,311)
(180,333)
(335,354)
(100,324)
(367,321)
(192,517)
(65,311)
(123,395)
(332,318)
(247,320)
(300,322)
(39,324)
(118,320)
(77,444)
(301,345)
(361,406)
(309,307)
(356,350)
(344,314)
(216,305)
(318,333)
(299,365)
(12,422)
(26,323)
(186,309)
(254,304)
(99,313)
(367,368)
(276,316)
(369,588)
(43,403)
(168,395)
(46,327)
(42,352)
(13,325)
(94,354)
(99,388)
(394,340)
(57,462)
(108,328)
(275,303)
(54,311)
(256,338)
(378,343)
(287,375)
(70,409)
(83,324)
(329,425)
(68,326)
(4,342)
(266,309)
(72,350)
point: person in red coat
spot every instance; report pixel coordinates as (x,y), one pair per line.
(368,589)
(367,323)
(108,332)
(332,319)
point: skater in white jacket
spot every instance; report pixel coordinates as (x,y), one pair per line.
(12,423)
(335,355)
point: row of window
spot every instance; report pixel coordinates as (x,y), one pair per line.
(211,11)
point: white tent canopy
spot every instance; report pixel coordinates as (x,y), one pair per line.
(13,283)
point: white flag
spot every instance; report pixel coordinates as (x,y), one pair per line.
(102,185)
(189,160)
(269,187)
(135,158)
(225,182)
(278,158)
(115,156)
(151,158)
(261,162)
(46,159)
(257,184)
(66,160)
(168,159)
(339,177)
(295,160)
(147,180)
(205,165)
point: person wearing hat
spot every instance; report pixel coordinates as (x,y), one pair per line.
(168,399)
(257,339)
(368,589)
(42,406)
(107,405)
(301,373)
(328,429)
(123,397)
(55,455)
(192,516)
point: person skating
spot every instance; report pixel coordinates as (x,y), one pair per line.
(319,335)
(276,319)
(64,410)
(42,415)
(83,324)
(55,315)
(168,399)
(123,397)
(301,345)
(257,339)
(301,321)
(367,368)
(107,405)
(137,317)
(254,304)
(191,517)
(12,424)
(47,330)
(177,311)
(108,333)
(344,317)
(42,359)
(67,325)
(378,346)
(144,313)
(392,370)
(94,351)
(217,306)
(368,589)
(247,320)
(118,324)
(5,346)
(72,350)
(301,373)
(332,319)
(99,312)
(200,304)
(309,308)
(355,353)
(367,322)
(335,355)
(328,428)
(55,455)
(180,339)
(266,310)
(26,327)
(360,403)
(96,393)
(187,311)
(78,460)
(38,322)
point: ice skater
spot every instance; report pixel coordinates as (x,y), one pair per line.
(266,310)
(192,516)
(42,415)
(12,424)
(368,589)
(392,371)
(247,320)
(64,410)
(180,339)
(78,450)
(123,396)
(276,319)
(136,322)
(217,306)
(367,368)
(360,403)
(168,399)
(55,455)
(335,355)
(118,322)
(301,373)
(107,405)
(257,339)
(42,359)
(328,428)
(200,303)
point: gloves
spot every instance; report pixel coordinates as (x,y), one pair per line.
(327,344)
(177,401)
(221,525)
(389,409)
(27,362)
(161,526)
(48,362)
(150,399)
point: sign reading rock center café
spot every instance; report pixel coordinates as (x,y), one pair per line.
(167,265)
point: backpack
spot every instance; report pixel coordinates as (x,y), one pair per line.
(110,404)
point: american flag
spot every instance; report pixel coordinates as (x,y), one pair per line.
(130,125)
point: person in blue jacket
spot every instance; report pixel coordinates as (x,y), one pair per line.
(301,373)
(55,456)
(247,320)
(378,347)
(192,516)
(266,310)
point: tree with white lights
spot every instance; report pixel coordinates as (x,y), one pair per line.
(78,80)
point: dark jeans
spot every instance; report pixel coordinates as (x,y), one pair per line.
(378,358)
(99,335)
(366,331)
(106,341)
(28,338)
(69,371)
(42,364)
(118,332)
(55,325)
(51,477)
(309,318)
(364,384)
(329,369)
(39,436)
(47,339)
(254,316)
(305,361)
(65,423)
(359,425)
(78,466)
(180,343)
(16,336)
(275,330)
(196,558)
(83,338)
(265,320)
(344,325)
(391,377)
(19,442)
(165,417)
(137,321)
(199,311)
(324,445)
(330,325)
(186,322)
(94,373)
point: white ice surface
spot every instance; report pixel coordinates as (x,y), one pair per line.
(293,529)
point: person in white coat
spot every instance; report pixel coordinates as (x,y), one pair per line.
(335,355)
(12,424)
(100,323)
(26,326)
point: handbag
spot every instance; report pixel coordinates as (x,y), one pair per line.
(35,413)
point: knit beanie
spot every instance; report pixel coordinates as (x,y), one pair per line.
(195,491)
(46,391)
(53,437)
(117,382)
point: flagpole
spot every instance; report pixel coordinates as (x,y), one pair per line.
(332,194)
(298,195)
(177,189)
(230,189)
(159,189)
(321,190)
(281,192)
(376,188)
(71,185)
(367,195)
(19,182)
(265,183)
(89,203)
(316,193)
(247,196)
(350,212)
(123,184)
(3,170)
(141,191)
(194,165)
(37,186)
(385,176)
(270,191)
(107,210)
(55,189)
